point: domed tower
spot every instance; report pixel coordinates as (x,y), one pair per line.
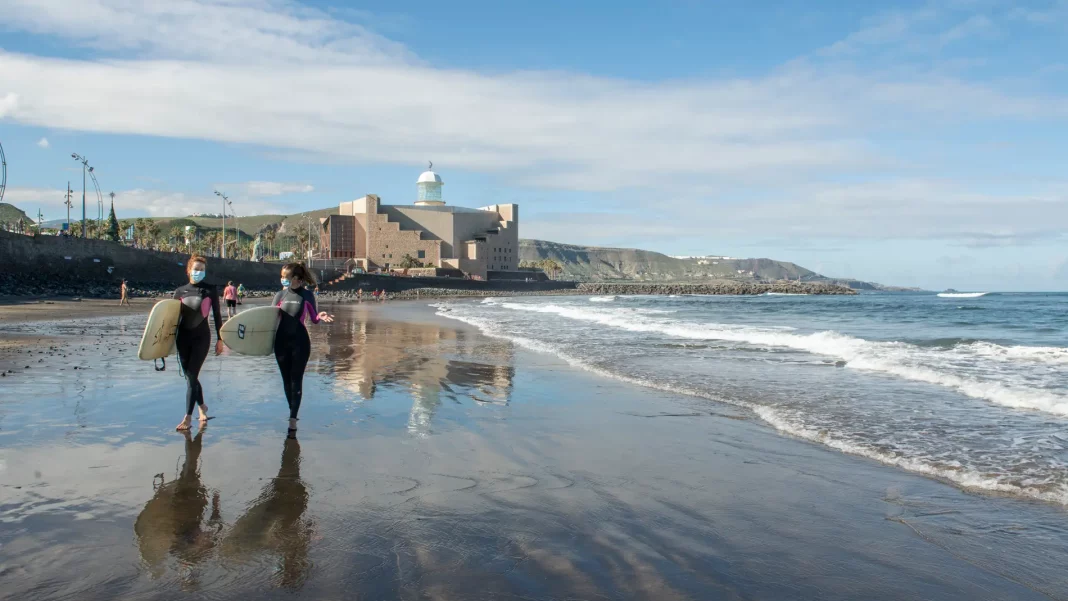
(429,184)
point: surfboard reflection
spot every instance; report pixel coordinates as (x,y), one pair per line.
(274,525)
(172,522)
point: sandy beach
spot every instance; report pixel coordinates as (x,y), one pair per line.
(434,462)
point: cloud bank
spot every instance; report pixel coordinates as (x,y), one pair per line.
(835,143)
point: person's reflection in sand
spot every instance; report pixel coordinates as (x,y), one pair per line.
(275,523)
(172,520)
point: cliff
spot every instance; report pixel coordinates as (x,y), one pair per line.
(591,263)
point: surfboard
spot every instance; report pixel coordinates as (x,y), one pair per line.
(162,327)
(251,332)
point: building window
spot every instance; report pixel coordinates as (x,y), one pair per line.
(422,254)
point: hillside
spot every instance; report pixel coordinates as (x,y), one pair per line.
(582,263)
(11,214)
(591,263)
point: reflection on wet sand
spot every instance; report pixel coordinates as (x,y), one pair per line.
(274,527)
(172,521)
(430,361)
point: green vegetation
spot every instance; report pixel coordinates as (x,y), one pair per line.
(10,216)
(551,267)
(410,262)
(113,225)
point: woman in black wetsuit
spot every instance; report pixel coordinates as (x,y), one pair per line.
(194,336)
(292,347)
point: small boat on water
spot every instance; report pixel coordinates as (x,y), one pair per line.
(955,294)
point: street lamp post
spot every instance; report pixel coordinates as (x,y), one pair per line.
(237,229)
(69,205)
(85,166)
(225,200)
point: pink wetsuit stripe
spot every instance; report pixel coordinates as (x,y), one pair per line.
(309,312)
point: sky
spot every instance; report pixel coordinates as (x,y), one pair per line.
(908,143)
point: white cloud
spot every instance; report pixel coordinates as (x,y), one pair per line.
(42,143)
(300,82)
(256,189)
(8,103)
(291,78)
(899,209)
(137,202)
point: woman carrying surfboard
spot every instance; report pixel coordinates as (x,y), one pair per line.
(194,336)
(292,347)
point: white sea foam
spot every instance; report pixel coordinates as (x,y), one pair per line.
(951,470)
(1053,355)
(602,299)
(963,477)
(893,358)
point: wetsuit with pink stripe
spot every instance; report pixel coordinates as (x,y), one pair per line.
(194,336)
(292,347)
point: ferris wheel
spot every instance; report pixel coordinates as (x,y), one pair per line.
(3,173)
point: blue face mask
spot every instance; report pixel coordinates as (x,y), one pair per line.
(285,282)
(197,276)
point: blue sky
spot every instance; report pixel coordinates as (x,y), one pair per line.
(912,143)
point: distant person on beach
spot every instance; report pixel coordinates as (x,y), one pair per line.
(292,346)
(124,299)
(359,294)
(194,336)
(240,293)
(230,295)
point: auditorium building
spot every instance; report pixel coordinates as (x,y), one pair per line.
(374,236)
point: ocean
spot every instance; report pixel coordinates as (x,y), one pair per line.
(973,391)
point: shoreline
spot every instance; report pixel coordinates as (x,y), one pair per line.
(437,461)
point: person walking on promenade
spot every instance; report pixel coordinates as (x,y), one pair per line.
(230,296)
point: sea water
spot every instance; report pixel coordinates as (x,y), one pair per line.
(971,391)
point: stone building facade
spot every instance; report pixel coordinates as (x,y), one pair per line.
(375,236)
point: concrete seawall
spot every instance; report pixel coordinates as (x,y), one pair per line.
(77,266)
(59,266)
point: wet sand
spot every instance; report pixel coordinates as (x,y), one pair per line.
(436,463)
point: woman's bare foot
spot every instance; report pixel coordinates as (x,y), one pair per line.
(293,424)
(185,423)
(204,414)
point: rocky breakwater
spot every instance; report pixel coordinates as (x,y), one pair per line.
(724,287)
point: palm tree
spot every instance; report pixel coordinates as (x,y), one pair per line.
(270,235)
(177,235)
(302,242)
(550,266)
(409,262)
(153,233)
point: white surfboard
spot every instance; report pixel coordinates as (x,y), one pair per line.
(251,332)
(162,327)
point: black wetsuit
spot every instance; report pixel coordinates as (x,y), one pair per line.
(292,347)
(194,336)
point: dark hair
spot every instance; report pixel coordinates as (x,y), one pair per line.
(230,283)
(300,271)
(194,259)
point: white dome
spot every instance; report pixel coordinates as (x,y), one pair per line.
(429,177)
